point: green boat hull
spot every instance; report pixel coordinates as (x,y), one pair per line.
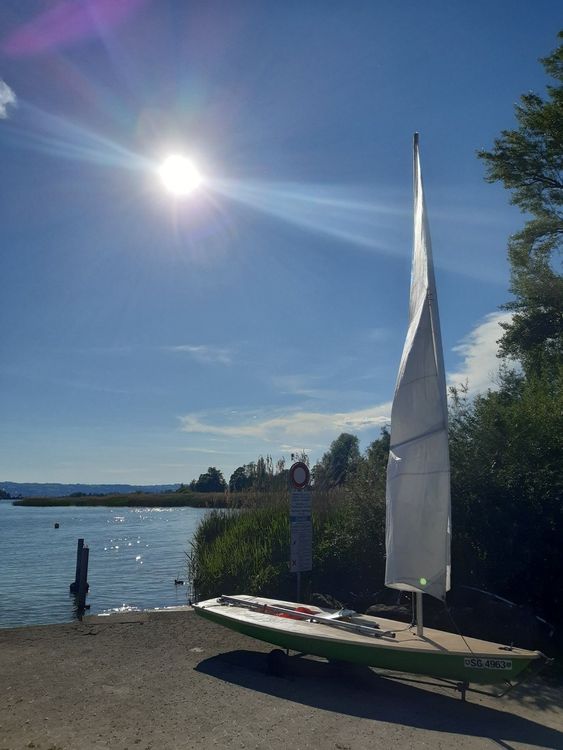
(459,667)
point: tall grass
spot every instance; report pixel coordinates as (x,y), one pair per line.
(247,551)
(237,551)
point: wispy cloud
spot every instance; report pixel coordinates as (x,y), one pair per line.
(478,350)
(310,428)
(204,353)
(302,385)
(214,451)
(305,427)
(297,427)
(7,98)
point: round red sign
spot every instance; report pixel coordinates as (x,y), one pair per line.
(299,475)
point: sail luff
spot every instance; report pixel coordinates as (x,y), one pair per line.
(418,473)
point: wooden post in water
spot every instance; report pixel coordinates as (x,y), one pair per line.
(83,580)
(74,584)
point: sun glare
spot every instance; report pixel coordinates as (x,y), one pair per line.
(179,175)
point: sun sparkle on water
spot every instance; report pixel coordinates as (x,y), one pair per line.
(180,175)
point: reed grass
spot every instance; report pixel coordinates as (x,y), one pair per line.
(233,551)
(247,551)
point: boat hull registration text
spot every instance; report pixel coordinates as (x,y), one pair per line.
(476,663)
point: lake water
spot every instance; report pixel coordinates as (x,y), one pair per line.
(135,555)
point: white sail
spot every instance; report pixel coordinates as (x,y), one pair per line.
(418,525)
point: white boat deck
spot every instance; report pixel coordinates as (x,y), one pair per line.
(404,636)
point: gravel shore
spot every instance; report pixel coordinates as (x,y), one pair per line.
(160,680)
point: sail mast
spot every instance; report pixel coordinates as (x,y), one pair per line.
(418,472)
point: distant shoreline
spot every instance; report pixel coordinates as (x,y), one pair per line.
(132,500)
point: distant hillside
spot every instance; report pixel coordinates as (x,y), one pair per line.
(38,489)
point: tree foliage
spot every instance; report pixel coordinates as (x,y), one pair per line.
(211,481)
(507,481)
(260,476)
(528,160)
(338,463)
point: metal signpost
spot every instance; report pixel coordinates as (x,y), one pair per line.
(300,523)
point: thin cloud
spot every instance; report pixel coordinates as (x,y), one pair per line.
(289,448)
(215,451)
(204,353)
(7,98)
(480,364)
(479,367)
(302,385)
(295,427)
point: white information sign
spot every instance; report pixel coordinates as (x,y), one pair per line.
(301,546)
(300,503)
(301,526)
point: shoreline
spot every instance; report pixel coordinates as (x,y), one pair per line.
(161,679)
(128,500)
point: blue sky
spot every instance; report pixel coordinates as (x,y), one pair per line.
(144,337)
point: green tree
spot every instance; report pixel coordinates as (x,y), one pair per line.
(239,480)
(260,476)
(211,481)
(529,162)
(338,463)
(507,481)
(264,474)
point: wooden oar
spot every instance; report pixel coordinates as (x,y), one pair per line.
(328,620)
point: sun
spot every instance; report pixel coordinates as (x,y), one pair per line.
(180,175)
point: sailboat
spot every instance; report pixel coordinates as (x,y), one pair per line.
(418,527)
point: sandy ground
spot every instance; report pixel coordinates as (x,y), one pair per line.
(172,680)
